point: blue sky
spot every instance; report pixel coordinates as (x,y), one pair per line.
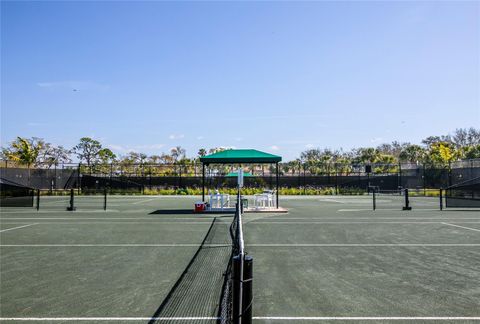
(276,76)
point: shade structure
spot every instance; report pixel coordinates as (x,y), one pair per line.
(240,156)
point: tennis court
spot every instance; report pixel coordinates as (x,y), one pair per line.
(330,259)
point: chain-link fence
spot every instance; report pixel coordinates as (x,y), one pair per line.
(338,177)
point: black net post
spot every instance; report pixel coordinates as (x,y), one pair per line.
(247,290)
(72,201)
(374,199)
(336,179)
(79,178)
(104,198)
(441,199)
(407,201)
(236,296)
(38,199)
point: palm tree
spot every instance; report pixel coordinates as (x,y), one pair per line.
(202,152)
(412,154)
(24,150)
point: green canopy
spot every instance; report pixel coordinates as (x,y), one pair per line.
(235,174)
(240,156)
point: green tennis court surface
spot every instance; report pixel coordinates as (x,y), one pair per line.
(330,259)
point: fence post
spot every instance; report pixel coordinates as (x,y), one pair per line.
(441,199)
(111,172)
(423,177)
(304,179)
(38,199)
(79,178)
(400,175)
(449,173)
(374,199)
(105,198)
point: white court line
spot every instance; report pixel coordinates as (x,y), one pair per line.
(354,210)
(109,319)
(332,200)
(117,245)
(359,318)
(255,245)
(13,228)
(361,244)
(283,318)
(366,222)
(208,223)
(439,219)
(109,218)
(468,228)
(143,201)
(63,211)
(369,218)
(116,223)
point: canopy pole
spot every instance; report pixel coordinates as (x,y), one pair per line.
(277,184)
(203,182)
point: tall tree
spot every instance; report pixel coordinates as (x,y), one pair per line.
(87,150)
(463,137)
(437,139)
(412,154)
(178,153)
(24,150)
(442,154)
(51,155)
(106,156)
(471,152)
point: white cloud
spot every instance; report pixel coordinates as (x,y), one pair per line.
(73,85)
(309,146)
(200,138)
(376,140)
(117,148)
(135,148)
(150,147)
(274,148)
(176,136)
(238,139)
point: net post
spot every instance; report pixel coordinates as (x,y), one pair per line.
(441,199)
(105,198)
(38,199)
(374,199)
(236,296)
(247,290)
(407,201)
(72,201)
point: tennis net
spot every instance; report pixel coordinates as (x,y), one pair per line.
(391,199)
(236,295)
(15,195)
(463,195)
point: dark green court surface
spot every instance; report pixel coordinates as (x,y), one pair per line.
(331,259)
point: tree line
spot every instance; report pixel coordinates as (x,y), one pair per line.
(434,151)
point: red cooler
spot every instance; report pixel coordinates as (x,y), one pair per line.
(199,207)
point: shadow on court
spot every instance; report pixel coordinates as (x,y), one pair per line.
(173,212)
(197,292)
